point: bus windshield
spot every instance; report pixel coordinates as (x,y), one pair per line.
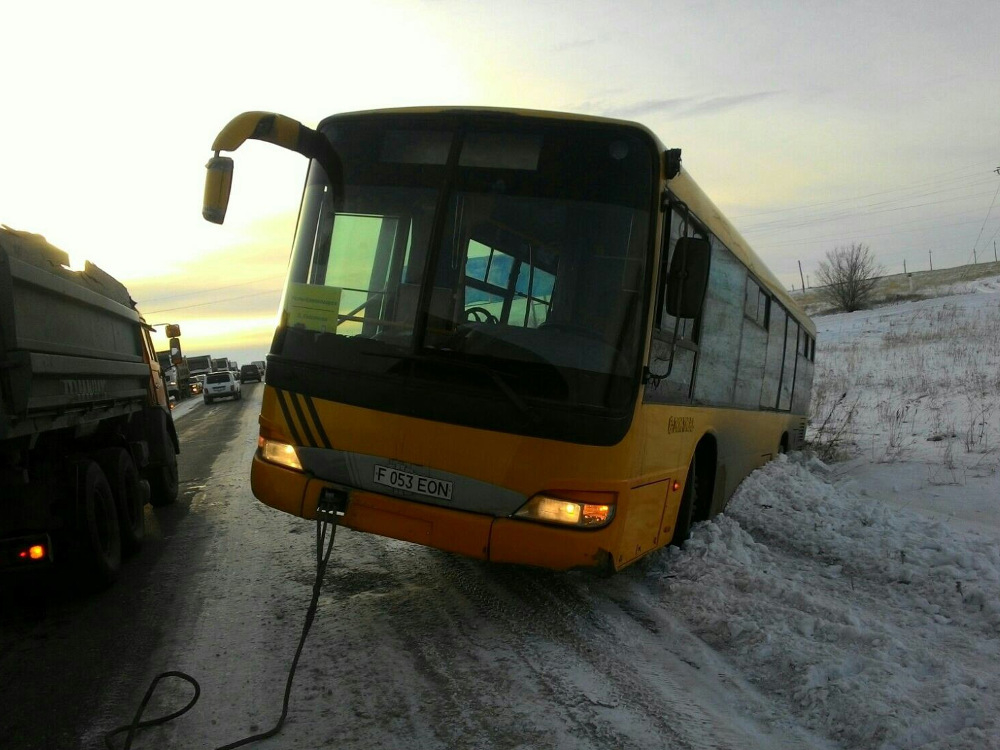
(490,254)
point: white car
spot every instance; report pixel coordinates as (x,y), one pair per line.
(221,385)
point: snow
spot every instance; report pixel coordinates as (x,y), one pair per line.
(876,626)
(186,406)
(920,384)
(850,603)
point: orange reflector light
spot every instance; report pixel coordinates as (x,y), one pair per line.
(596,514)
(677,486)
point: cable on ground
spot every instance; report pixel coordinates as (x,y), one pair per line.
(324,546)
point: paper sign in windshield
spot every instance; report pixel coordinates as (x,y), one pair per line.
(312,307)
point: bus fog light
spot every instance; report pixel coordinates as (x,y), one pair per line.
(279,453)
(552,508)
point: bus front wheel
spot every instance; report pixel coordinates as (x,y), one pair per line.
(686,513)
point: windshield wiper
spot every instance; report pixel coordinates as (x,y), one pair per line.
(495,377)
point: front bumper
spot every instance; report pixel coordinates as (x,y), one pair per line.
(475,535)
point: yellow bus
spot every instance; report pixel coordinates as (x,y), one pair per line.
(525,337)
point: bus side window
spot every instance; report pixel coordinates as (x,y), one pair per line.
(774,362)
(721,327)
(803,374)
(752,299)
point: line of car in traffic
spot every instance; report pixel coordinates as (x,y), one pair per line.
(226,384)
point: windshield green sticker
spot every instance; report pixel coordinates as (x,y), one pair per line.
(313,307)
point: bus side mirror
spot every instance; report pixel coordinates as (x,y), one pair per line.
(270,128)
(218,184)
(687,278)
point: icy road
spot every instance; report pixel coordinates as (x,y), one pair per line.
(806,617)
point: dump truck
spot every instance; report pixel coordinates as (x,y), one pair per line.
(178,376)
(86,433)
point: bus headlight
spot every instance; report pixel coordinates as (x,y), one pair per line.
(279,453)
(588,510)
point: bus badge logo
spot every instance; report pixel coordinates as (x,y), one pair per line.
(680,424)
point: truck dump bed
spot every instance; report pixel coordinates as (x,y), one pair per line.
(71,347)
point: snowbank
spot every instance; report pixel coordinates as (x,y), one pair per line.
(878,627)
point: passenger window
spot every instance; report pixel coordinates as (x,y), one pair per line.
(763,309)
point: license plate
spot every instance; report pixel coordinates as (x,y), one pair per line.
(405,480)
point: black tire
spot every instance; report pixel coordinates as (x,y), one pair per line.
(239,395)
(207,400)
(163,484)
(130,496)
(99,543)
(686,513)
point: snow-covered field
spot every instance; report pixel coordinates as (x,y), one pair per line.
(910,394)
(818,612)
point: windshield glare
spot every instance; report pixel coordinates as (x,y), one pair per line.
(534,258)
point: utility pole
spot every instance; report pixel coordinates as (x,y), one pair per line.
(801,277)
(974,260)
(809,283)
(904,265)
(994,250)
(931,258)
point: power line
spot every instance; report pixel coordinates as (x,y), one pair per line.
(799,223)
(852,237)
(911,186)
(988,212)
(212,289)
(213,302)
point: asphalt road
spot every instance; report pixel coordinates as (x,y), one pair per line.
(70,660)
(411,647)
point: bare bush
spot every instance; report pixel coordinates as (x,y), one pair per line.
(827,440)
(848,276)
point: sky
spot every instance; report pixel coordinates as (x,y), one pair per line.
(812,125)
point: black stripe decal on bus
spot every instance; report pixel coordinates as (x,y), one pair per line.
(317,422)
(302,419)
(288,416)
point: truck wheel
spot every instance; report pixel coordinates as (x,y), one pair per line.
(163,477)
(99,539)
(130,499)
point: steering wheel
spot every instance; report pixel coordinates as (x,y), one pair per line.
(480,315)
